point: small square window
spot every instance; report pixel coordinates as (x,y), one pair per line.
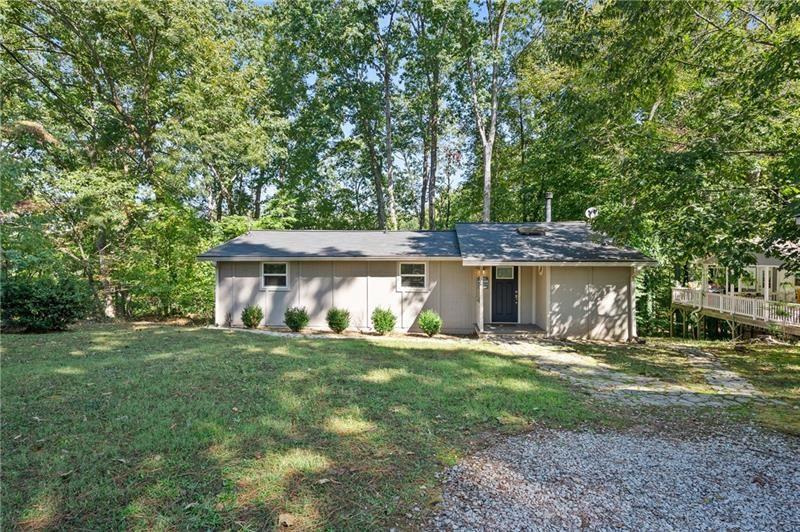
(413,276)
(504,272)
(412,269)
(413,281)
(278,268)
(274,275)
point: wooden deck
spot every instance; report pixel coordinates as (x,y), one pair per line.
(740,310)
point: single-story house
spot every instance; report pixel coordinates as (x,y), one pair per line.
(560,276)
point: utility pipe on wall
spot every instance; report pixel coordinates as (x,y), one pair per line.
(548,207)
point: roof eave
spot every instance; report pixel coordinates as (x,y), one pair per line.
(245,258)
(598,263)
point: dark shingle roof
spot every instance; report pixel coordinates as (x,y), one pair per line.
(562,242)
(472,242)
(338,244)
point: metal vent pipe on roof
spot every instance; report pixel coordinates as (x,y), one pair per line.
(548,207)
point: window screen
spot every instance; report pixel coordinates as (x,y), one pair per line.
(275,274)
(412,275)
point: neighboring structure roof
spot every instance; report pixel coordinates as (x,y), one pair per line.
(337,244)
(761,260)
(559,242)
(475,243)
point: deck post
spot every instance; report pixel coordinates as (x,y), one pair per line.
(683,322)
(671,319)
(704,285)
(727,283)
(767,290)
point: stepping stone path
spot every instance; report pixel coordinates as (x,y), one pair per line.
(726,388)
(721,380)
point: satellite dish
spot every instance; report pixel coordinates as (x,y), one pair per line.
(591,213)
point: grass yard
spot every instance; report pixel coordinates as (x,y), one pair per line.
(122,426)
(774,369)
(654,359)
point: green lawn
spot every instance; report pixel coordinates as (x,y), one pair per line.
(121,426)
(656,358)
(774,369)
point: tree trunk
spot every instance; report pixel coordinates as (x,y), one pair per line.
(424,193)
(526,189)
(487,182)
(434,151)
(387,110)
(102,263)
(257,201)
(488,131)
(259,185)
(377,179)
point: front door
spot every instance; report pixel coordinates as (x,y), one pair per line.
(505,295)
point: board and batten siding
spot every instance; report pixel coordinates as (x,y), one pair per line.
(590,302)
(584,302)
(357,286)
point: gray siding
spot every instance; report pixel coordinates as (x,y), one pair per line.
(541,297)
(589,302)
(456,295)
(358,286)
(526,295)
(350,290)
(585,302)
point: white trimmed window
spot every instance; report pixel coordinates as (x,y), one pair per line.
(413,276)
(504,272)
(275,275)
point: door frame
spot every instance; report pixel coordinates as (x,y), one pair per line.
(491,299)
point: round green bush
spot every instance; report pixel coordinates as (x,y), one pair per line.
(39,304)
(383,321)
(430,322)
(252,316)
(338,319)
(296,318)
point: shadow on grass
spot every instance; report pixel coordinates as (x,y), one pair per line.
(649,360)
(166,427)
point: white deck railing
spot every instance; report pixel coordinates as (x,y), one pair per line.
(776,312)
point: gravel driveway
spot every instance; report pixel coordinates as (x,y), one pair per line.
(744,479)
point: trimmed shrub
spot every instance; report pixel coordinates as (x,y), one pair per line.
(296,318)
(252,316)
(430,322)
(338,319)
(383,321)
(44,304)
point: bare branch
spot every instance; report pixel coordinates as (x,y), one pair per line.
(756,18)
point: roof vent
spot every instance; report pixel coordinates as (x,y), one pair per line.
(528,230)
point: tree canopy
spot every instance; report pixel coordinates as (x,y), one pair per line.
(137,133)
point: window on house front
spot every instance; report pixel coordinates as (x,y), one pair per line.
(412,275)
(275,275)
(504,272)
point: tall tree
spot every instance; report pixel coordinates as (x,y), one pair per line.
(484,53)
(385,39)
(433,37)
